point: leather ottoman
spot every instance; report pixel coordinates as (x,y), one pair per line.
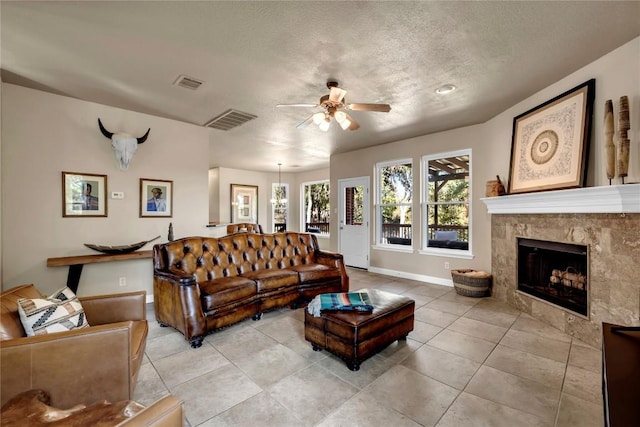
(354,336)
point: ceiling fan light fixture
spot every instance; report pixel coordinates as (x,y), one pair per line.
(340,116)
(318,118)
(446,89)
(334,105)
(324,125)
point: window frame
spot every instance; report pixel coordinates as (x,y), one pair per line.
(303,201)
(425,204)
(379,206)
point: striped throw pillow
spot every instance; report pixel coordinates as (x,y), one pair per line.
(60,312)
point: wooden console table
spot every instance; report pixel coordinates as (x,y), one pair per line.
(76,263)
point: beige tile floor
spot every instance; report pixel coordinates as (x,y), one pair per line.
(468,362)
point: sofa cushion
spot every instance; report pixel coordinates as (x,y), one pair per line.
(268,280)
(219,292)
(60,312)
(315,272)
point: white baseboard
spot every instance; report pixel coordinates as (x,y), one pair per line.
(392,273)
(412,276)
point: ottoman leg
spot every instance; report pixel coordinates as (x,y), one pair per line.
(353,365)
(315,347)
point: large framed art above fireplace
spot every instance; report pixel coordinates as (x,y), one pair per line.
(605,221)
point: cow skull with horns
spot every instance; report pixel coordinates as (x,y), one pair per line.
(124,145)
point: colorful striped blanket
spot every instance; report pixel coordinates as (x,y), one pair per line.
(345,301)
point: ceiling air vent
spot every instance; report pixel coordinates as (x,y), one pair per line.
(188,82)
(229,120)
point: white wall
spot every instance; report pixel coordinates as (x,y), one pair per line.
(616,74)
(222,178)
(228,176)
(1,182)
(214,195)
(0,175)
(44,134)
(362,163)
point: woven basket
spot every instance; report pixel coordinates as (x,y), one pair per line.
(495,188)
(471,283)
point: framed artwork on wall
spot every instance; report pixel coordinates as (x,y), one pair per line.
(550,143)
(84,194)
(156,198)
(244,203)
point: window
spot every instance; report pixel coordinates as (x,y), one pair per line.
(279,205)
(315,207)
(394,200)
(354,205)
(445,206)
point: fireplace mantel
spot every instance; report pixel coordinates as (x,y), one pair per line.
(604,199)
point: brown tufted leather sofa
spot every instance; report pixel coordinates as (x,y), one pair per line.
(100,362)
(201,284)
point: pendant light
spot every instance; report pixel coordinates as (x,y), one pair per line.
(278,200)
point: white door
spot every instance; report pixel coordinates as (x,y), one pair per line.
(353,221)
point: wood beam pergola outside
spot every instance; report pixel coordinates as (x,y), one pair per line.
(451,167)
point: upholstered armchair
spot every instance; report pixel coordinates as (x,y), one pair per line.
(244,227)
(95,363)
(33,408)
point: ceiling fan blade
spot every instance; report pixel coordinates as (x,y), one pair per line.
(296,105)
(306,122)
(384,108)
(337,94)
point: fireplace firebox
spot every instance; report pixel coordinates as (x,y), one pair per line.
(554,272)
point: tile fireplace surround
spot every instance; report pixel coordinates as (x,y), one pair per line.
(606,219)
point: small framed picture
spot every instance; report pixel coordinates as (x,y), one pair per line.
(156,198)
(244,203)
(84,194)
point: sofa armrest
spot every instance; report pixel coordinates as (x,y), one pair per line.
(106,309)
(335,256)
(177,279)
(166,412)
(82,365)
(335,260)
(176,301)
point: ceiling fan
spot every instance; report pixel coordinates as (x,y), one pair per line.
(334,105)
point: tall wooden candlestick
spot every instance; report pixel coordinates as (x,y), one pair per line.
(623,126)
(609,146)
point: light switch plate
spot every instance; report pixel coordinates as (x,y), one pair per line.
(117,195)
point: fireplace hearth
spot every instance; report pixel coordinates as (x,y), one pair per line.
(604,222)
(554,272)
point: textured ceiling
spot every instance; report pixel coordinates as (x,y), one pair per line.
(255,55)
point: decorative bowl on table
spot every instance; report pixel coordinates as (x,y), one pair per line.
(121,249)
